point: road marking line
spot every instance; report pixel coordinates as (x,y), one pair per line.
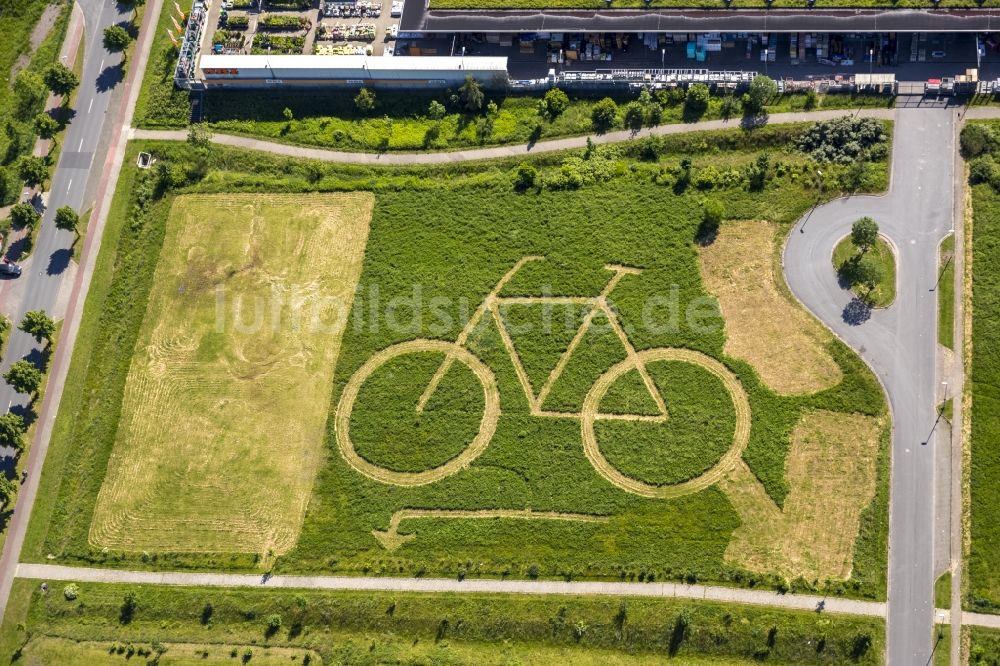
(91,105)
(102,65)
(81,140)
(69,185)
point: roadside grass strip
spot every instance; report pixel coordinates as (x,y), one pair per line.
(223,413)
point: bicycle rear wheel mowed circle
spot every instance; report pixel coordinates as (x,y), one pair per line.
(728,459)
(399,471)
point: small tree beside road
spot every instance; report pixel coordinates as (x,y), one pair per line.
(116,38)
(23,215)
(45,125)
(24,377)
(12,430)
(60,79)
(67,219)
(471,95)
(38,325)
(33,170)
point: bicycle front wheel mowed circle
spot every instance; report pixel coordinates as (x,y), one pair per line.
(729,459)
(471,450)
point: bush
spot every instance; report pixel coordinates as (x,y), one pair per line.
(436,110)
(696,101)
(71,591)
(812,99)
(976,139)
(365,100)
(553,104)
(982,170)
(471,95)
(524,176)
(843,140)
(604,115)
(238,22)
(711,218)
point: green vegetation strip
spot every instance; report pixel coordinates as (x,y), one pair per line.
(942,591)
(946,293)
(369,628)
(24,96)
(414,122)
(454,230)
(984,555)
(705,4)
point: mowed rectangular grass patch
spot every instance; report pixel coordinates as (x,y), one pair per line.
(225,402)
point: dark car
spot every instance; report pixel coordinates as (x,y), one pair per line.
(10,269)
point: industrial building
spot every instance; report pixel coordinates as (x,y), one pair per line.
(352,71)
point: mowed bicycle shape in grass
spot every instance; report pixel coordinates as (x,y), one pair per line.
(590,413)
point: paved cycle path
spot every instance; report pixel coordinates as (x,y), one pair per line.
(495,152)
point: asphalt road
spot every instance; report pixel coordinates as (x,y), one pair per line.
(899,343)
(70,185)
(47,271)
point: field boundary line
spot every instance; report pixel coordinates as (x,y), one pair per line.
(55,572)
(496,152)
(391,539)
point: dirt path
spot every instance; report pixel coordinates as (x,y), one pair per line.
(496,152)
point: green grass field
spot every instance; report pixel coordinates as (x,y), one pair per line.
(984,646)
(379,628)
(946,294)
(453,232)
(984,556)
(884,292)
(213,396)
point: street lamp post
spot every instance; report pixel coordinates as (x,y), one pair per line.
(871,62)
(663,58)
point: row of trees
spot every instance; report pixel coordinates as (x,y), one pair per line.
(24,215)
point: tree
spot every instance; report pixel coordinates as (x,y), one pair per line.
(116,38)
(45,125)
(7,489)
(604,114)
(29,89)
(33,170)
(762,89)
(365,100)
(553,104)
(634,116)
(12,431)
(436,110)
(24,377)
(129,605)
(38,325)
(864,234)
(711,217)
(981,169)
(868,272)
(273,624)
(696,101)
(976,140)
(24,215)
(524,177)
(60,79)
(471,95)
(812,99)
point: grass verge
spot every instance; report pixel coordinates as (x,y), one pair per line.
(367,627)
(845,260)
(946,293)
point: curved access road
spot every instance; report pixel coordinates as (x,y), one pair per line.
(899,343)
